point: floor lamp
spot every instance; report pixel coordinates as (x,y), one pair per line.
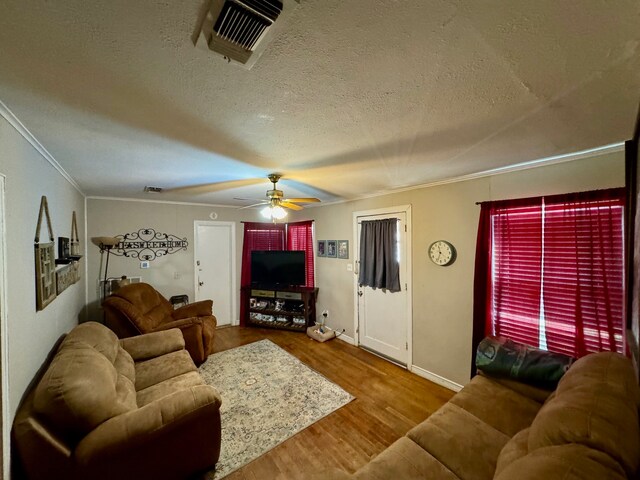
(105,244)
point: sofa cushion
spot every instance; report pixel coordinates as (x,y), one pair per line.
(75,402)
(406,460)
(566,462)
(515,449)
(167,387)
(159,369)
(124,364)
(504,409)
(97,336)
(460,441)
(596,405)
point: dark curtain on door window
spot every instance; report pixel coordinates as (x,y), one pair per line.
(379,263)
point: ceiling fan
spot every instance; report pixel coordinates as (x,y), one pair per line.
(275,204)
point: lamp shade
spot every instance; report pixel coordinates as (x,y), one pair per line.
(105,242)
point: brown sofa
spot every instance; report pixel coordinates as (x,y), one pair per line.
(505,430)
(139,308)
(105,409)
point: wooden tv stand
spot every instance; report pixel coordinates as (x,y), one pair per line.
(291,308)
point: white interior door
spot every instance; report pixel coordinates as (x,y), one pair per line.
(384,317)
(215,268)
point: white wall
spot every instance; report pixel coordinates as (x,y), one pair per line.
(443,296)
(31,334)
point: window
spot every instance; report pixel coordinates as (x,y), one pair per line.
(275,236)
(550,272)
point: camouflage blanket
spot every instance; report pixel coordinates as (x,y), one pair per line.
(502,357)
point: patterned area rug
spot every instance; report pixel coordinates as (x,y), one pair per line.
(268,396)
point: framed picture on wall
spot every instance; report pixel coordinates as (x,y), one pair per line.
(332,248)
(343,248)
(322,245)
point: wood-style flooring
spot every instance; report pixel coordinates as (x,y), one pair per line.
(389,401)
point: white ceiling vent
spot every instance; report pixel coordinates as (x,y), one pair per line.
(237,29)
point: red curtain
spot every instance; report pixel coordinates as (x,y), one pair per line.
(584,272)
(257,236)
(550,272)
(300,237)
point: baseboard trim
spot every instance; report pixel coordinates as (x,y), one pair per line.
(443,382)
(346,338)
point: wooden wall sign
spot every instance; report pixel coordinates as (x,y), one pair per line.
(67,276)
(45,261)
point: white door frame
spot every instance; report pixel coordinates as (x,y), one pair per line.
(384,211)
(4,341)
(235,318)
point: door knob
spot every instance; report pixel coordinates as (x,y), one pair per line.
(200,283)
(360,293)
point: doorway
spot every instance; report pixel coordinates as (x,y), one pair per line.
(383,319)
(4,351)
(215,268)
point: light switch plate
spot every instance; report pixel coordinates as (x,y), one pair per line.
(144,264)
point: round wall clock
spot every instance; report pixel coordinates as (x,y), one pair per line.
(442,253)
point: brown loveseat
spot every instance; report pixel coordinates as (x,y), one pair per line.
(139,308)
(505,430)
(106,409)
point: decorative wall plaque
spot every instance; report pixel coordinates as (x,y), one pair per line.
(147,244)
(67,276)
(45,261)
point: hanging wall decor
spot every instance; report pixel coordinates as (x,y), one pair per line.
(147,244)
(45,261)
(74,245)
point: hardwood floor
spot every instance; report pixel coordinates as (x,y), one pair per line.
(389,401)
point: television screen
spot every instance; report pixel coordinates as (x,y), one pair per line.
(276,268)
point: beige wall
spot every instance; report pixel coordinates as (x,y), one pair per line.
(31,334)
(443,296)
(108,217)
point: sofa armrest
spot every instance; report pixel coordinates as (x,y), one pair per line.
(169,437)
(538,394)
(181,324)
(153,344)
(203,308)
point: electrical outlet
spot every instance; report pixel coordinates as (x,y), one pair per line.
(177,276)
(349,267)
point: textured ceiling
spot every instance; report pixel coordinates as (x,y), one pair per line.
(351,97)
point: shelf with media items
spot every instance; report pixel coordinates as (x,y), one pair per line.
(292,308)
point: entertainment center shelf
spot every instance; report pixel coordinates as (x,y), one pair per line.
(292,308)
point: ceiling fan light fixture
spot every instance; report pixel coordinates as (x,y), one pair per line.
(273,212)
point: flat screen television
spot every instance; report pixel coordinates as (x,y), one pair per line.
(277,268)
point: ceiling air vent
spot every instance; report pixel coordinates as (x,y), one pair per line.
(236,27)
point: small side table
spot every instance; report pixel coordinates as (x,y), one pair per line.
(179,300)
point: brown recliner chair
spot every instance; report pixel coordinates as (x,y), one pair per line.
(139,308)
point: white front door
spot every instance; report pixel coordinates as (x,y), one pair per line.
(384,320)
(215,268)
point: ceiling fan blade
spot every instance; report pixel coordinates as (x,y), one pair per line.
(292,206)
(213,187)
(253,205)
(301,200)
(249,199)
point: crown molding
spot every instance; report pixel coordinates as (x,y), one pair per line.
(10,117)
(166,202)
(542,162)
